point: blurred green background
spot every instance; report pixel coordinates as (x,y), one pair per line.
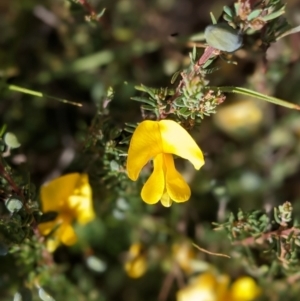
(252,149)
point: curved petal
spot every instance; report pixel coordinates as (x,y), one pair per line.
(144,145)
(67,234)
(165,200)
(80,202)
(46,228)
(177,188)
(54,194)
(176,140)
(155,185)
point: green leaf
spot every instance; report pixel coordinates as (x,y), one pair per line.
(44,295)
(244,91)
(39,94)
(254,14)
(101,13)
(289,32)
(144,100)
(11,140)
(3,129)
(174,77)
(228,11)
(213,19)
(274,15)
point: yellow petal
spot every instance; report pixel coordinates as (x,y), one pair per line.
(46,228)
(81,200)
(177,188)
(203,288)
(67,234)
(55,193)
(166,136)
(155,185)
(176,140)
(244,289)
(137,267)
(166,200)
(52,244)
(144,145)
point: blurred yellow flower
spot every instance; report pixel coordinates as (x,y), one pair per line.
(206,287)
(240,118)
(244,289)
(136,264)
(184,254)
(71,197)
(211,287)
(158,140)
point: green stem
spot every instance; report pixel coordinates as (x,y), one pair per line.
(39,94)
(244,91)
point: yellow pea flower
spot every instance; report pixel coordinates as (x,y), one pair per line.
(184,254)
(212,287)
(136,263)
(206,287)
(158,140)
(71,197)
(244,289)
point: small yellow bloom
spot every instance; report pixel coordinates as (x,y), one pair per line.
(211,287)
(206,287)
(158,140)
(240,118)
(136,264)
(244,289)
(71,197)
(184,254)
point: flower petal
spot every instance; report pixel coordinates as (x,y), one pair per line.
(176,140)
(81,200)
(144,145)
(155,185)
(67,234)
(55,193)
(166,201)
(177,188)
(46,228)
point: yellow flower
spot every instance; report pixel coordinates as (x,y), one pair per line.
(212,287)
(71,197)
(206,287)
(244,289)
(184,254)
(240,118)
(136,264)
(158,140)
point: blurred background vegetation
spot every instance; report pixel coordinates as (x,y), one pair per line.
(252,148)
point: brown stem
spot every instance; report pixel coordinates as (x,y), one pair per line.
(280,233)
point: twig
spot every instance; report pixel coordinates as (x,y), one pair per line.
(265,236)
(210,253)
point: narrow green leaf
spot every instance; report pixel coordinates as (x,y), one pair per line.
(101,13)
(143,88)
(144,100)
(39,94)
(254,14)
(3,129)
(244,91)
(213,19)
(289,32)
(274,15)
(174,77)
